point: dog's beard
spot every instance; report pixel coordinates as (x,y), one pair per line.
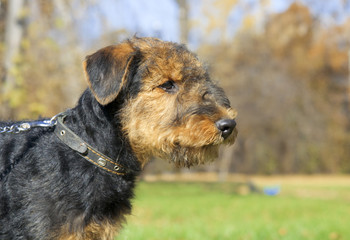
(180,155)
(187,156)
(192,156)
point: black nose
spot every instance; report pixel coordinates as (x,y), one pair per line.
(226,127)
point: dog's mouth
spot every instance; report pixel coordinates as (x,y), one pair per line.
(184,149)
(187,156)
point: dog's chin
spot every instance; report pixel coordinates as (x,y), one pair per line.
(187,157)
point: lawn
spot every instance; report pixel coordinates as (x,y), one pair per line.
(191,211)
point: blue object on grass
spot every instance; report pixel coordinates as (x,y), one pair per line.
(272,190)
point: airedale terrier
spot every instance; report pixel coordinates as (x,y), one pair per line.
(72,177)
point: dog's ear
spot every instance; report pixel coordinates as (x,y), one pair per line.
(107,69)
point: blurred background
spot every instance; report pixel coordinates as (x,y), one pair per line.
(283,63)
(285,67)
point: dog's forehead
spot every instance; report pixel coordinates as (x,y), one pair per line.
(170,61)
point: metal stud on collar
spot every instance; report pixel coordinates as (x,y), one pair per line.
(102,162)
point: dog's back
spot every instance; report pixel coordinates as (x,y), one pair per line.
(20,163)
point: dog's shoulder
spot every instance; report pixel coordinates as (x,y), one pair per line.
(16,142)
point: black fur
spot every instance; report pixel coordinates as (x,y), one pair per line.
(47,185)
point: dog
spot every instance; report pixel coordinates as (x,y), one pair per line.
(72,176)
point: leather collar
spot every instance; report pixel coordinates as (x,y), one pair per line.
(92,155)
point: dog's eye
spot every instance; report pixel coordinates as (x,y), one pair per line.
(169,86)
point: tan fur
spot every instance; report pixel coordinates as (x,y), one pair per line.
(94,231)
(193,142)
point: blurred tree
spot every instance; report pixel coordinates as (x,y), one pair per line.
(316,55)
(287,77)
(284,84)
(49,43)
(183,20)
(14,27)
(3,9)
(216,17)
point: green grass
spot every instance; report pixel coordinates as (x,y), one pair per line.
(191,211)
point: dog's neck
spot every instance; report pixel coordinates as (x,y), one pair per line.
(100,127)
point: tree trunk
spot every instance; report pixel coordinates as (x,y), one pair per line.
(13,36)
(184,28)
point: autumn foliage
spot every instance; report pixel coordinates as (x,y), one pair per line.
(288,80)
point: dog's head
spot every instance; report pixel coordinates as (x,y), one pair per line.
(171,108)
